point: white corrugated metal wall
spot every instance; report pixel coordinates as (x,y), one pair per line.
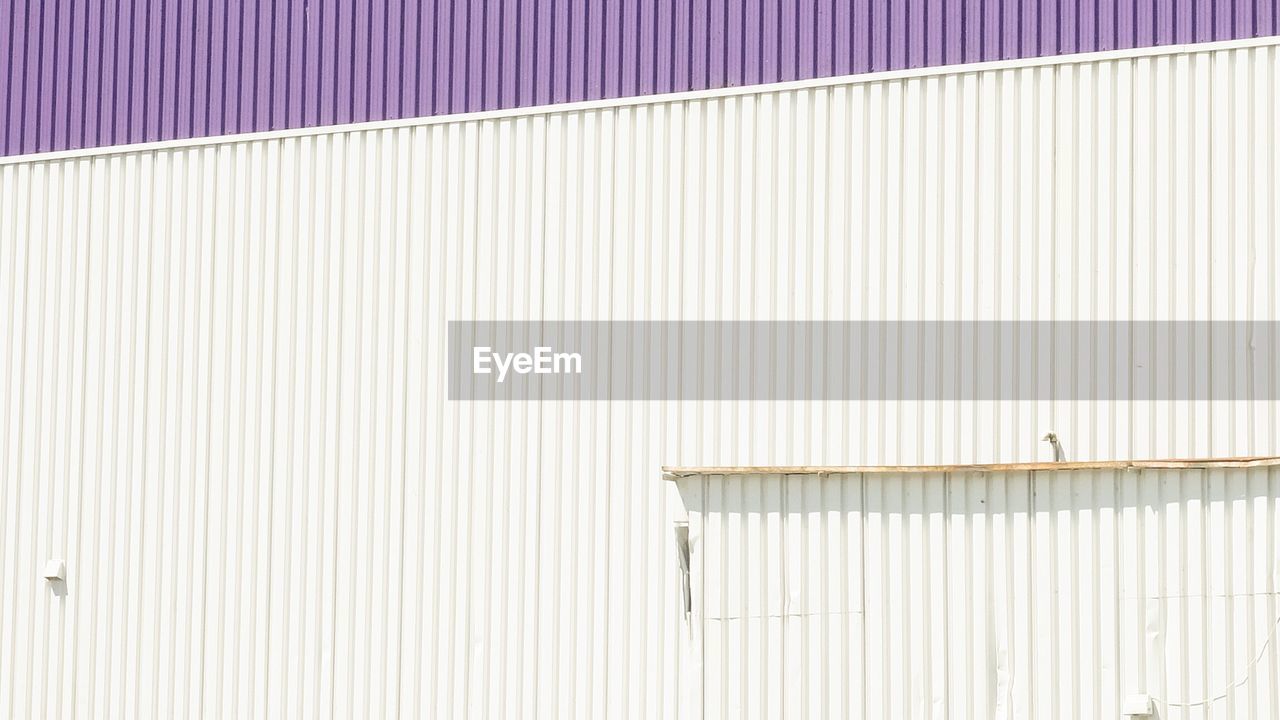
(1049,594)
(223,387)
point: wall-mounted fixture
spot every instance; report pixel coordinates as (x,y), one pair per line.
(682,553)
(1136,706)
(1059,455)
(55,570)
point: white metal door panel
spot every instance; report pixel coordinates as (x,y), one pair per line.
(1049,594)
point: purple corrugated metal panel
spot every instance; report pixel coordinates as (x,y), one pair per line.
(106,72)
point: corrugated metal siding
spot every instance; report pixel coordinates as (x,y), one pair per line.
(105,72)
(223,384)
(987,595)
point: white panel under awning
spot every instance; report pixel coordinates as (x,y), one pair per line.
(986,594)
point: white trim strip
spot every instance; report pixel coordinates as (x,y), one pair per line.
(674,473)
(642,100)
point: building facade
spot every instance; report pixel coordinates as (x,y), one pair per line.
(224,384)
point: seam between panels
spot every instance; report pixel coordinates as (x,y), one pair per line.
(642,100)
